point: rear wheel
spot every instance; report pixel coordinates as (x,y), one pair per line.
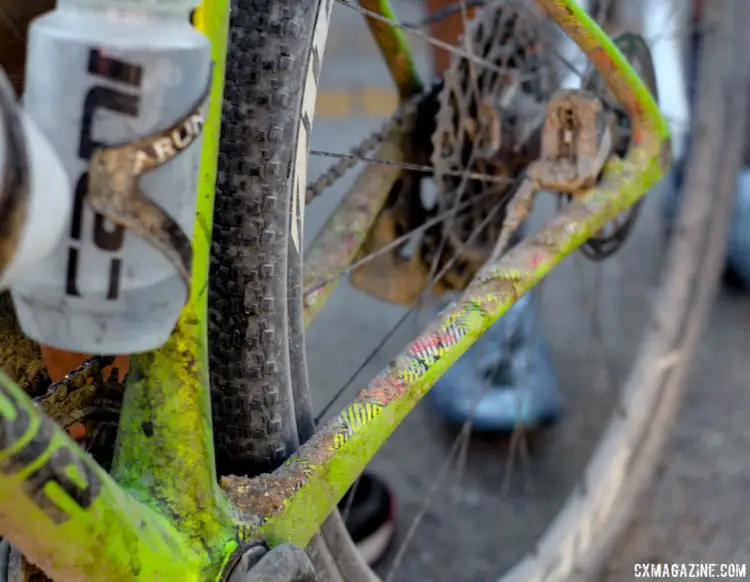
(261,397)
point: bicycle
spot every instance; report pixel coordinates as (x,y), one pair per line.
(159,513)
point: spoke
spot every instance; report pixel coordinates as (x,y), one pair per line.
(431,282)
(470,52)
(461,443)
(459,451)
(364,363)
(433,277)
(570,66)
(591,300)
(414,167)
(438,255)
(416,32)
(440,477)
(444,13)
(463,453)
(366,146)
(517,447)
(395,243)
(350,499)
(459,448)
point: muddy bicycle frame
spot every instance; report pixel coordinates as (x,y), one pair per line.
(162,514)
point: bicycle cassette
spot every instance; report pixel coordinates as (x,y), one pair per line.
(488,124)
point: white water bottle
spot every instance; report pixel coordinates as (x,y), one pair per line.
(33,187)
(102,73)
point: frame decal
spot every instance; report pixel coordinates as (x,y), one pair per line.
(61,466)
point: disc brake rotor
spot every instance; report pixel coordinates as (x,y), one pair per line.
(611,238)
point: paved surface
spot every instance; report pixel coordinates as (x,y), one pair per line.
(479,524)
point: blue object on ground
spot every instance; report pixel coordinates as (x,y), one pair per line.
(737,259)
(505,379)
(738,246)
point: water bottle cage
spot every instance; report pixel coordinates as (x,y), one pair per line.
(14,180)
(114,176)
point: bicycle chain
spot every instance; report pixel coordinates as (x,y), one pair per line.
(84,396)
(397,122)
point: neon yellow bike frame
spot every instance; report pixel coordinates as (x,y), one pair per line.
(162,514)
